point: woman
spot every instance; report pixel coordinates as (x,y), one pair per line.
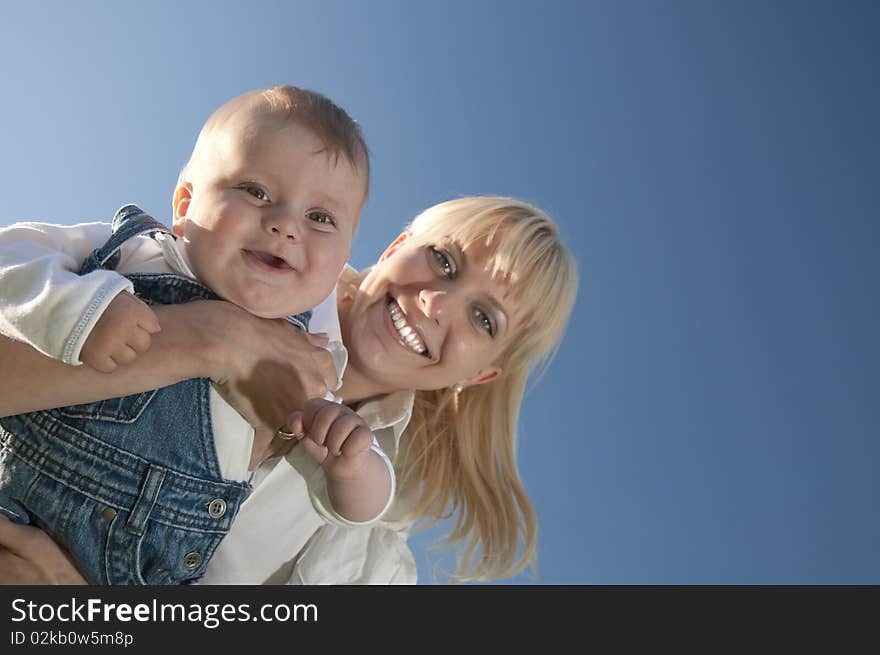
(441,333)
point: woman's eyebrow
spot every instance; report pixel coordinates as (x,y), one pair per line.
(490,298)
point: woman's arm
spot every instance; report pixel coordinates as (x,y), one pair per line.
(31,381)
(263,368)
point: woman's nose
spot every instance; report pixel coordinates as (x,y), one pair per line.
(434,303)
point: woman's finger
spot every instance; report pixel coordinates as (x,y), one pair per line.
(17,537)
(294,422)
(326,370)
(29,556)
(318,339)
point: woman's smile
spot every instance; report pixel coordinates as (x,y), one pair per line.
(402,330)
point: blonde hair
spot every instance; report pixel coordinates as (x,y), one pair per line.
(459,455)
(340,134)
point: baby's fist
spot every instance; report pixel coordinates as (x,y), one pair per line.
(335,436)
(120,335)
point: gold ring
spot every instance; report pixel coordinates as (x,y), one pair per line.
(284,435)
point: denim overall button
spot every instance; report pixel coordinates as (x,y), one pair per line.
(217,508)
(192,560)
(108,514)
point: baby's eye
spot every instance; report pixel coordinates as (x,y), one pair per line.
(320,217)
(256,191)
(484,322)
(444,261)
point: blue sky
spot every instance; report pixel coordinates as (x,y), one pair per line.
(712,415)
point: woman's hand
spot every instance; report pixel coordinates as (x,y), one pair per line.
(28,556)
(263,367)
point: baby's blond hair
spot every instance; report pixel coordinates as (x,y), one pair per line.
(340,134)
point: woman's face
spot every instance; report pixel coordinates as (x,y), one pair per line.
(429,317)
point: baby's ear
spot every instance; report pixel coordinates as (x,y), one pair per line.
(180,205)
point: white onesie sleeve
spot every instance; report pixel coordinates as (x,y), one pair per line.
(43,301)
(320,497)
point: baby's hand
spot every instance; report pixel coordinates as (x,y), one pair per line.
(335,437)
(121,334)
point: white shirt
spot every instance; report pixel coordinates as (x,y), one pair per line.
(277,539)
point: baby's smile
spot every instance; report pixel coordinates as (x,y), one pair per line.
(265,260)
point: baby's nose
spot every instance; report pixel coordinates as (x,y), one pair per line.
(283,225)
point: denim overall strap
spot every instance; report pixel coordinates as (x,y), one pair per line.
(130,485)
(129,221)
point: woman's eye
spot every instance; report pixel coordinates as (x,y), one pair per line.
(444,261)
(256,191)
(320,217)
(484,322)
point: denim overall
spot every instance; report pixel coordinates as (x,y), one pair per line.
(130,486)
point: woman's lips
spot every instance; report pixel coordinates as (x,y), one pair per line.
(404,333)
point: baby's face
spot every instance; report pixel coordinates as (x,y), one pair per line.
(267,220)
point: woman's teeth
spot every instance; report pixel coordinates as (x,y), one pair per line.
(410,337)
